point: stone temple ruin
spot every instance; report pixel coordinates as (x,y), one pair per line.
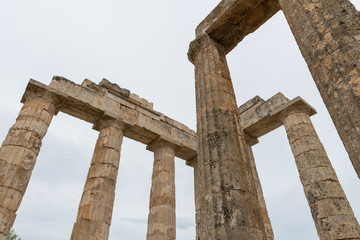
(228,196)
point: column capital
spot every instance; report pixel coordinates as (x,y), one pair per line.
(36,90)
(160,141)
(201,42)
(296,106)
(106,120)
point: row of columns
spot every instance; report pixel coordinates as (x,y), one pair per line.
(331,211)
(18,155)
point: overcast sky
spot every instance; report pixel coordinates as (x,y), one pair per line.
(142,45)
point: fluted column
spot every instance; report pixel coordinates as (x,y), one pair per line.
(331,211)
(260,195)
(96,205)
(161,219)
(18,154)
(228,200)
(193,163)
(328,35)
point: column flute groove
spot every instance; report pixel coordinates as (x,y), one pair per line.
(19,151)
(331,211)
(228,201)
(96,205)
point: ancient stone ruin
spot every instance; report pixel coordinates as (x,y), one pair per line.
(229,202)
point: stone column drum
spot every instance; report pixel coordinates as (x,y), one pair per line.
(162,219)
(260,195)
(96,205)
(194,163)
(331,211)
(328,35)
(228,200)
(18,154)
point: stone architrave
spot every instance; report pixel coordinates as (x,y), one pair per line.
(228,199)
(162,218)
(328,35)
(331,211)
(264,213)
(19,151)
(96,205)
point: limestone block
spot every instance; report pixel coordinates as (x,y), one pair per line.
(10,198)
(7,219)
(23,138)
(339,227)
(98,230)
(99,170)
(331,207)
(99,184)
(18,156)
(106,156)
(14,176)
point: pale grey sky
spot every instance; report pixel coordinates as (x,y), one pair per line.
(142,46)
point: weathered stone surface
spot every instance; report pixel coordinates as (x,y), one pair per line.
(232,20)
(19,151)
(333,216)
(264,213)
(162,220)
(96,205)
(228,199)
(90,101)
(328,35)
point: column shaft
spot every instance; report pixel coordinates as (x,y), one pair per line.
(332,213)
(260,195)
(18,155)
(96,205)
(328,35)
(228,199)
(162,220)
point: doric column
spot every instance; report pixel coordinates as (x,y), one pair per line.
(228,199)
(96,205)
(328,35)
(193,163)
(332,213)
(162,220)
(19,151)
(260,195)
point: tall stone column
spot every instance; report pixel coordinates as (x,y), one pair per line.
(332,213)
(228,199)
(260,195)
(328,35)
(193,163)
(162,219)
(96,205)
(18,154)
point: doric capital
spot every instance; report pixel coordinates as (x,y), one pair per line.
(161,141)
(202,42)
(107,120)
(296,106)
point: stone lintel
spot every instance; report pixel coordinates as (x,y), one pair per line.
(192,162)
(91,102)
(232,20)
(267,116)
(250,104)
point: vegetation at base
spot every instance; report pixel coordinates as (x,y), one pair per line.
(13,235)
